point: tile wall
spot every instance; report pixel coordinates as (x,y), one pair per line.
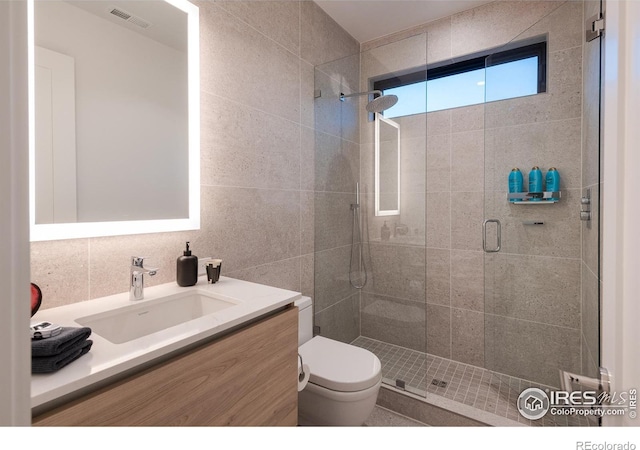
(258,132)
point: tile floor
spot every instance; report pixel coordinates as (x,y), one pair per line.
(480,388)
(382,417)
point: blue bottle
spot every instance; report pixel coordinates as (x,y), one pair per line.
(553,182)
(535,182)
(515,182)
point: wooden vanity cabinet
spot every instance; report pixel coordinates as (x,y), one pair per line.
(246,378)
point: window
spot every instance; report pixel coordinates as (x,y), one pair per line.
(516,72)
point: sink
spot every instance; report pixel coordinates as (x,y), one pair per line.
(132,322)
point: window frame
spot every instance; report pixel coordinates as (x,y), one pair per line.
(517,52)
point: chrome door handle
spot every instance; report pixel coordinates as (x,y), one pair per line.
(484,235)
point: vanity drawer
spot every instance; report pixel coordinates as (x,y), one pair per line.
(246,378)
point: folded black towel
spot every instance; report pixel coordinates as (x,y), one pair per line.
(67,339)
(47,364)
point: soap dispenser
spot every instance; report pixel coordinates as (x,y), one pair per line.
(187,269)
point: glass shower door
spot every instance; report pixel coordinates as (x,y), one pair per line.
(541,262)
(393,309)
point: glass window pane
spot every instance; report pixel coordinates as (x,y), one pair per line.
(411,100)
(499,82)
(512,79)
(462,89)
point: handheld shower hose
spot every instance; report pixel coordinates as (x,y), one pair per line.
(356,246)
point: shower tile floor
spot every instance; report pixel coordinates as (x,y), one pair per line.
(480,388)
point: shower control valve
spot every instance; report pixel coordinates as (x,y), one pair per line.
(585,207)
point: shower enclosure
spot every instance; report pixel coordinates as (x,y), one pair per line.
(470,298)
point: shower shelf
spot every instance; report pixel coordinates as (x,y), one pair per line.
(526,198)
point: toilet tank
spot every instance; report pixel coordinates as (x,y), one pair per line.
(305,320)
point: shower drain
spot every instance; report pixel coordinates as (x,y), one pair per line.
(439,383)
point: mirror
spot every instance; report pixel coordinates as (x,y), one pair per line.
(387,167)
(114,118)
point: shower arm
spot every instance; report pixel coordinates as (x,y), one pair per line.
(357,94)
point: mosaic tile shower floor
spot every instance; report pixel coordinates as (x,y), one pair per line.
(480,388)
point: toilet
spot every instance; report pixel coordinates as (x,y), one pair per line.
(344,380)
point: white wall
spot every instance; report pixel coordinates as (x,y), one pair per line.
(131,116)
(621,239)
(15,351)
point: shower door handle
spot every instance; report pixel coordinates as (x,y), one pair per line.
(484,235)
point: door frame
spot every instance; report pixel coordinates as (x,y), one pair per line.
(620,309)
(15,373)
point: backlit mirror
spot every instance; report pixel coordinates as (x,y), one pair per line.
(114,118)
(387,167)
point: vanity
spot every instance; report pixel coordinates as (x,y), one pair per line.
(234,364)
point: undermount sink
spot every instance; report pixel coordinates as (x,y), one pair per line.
(138,320)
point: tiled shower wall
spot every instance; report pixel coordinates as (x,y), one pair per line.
(532,295)
(527,320)
(258,123)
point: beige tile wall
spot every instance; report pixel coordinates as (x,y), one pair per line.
(533,310)
(257,156)
(525,317)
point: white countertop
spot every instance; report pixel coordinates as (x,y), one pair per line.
(106,360)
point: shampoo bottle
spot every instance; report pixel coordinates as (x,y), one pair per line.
(187,269)
(535,182)
(515,182)
(553,182)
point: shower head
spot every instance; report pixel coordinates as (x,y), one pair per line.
(381,103)
(376,105)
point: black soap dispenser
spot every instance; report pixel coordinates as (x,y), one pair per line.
(187,269)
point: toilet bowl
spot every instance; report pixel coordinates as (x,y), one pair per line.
(344,380)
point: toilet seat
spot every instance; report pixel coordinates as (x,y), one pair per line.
(340,367)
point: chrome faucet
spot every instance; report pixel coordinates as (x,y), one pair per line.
(136,287)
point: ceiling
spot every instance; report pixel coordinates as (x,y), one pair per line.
(167,24)
(370,19)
